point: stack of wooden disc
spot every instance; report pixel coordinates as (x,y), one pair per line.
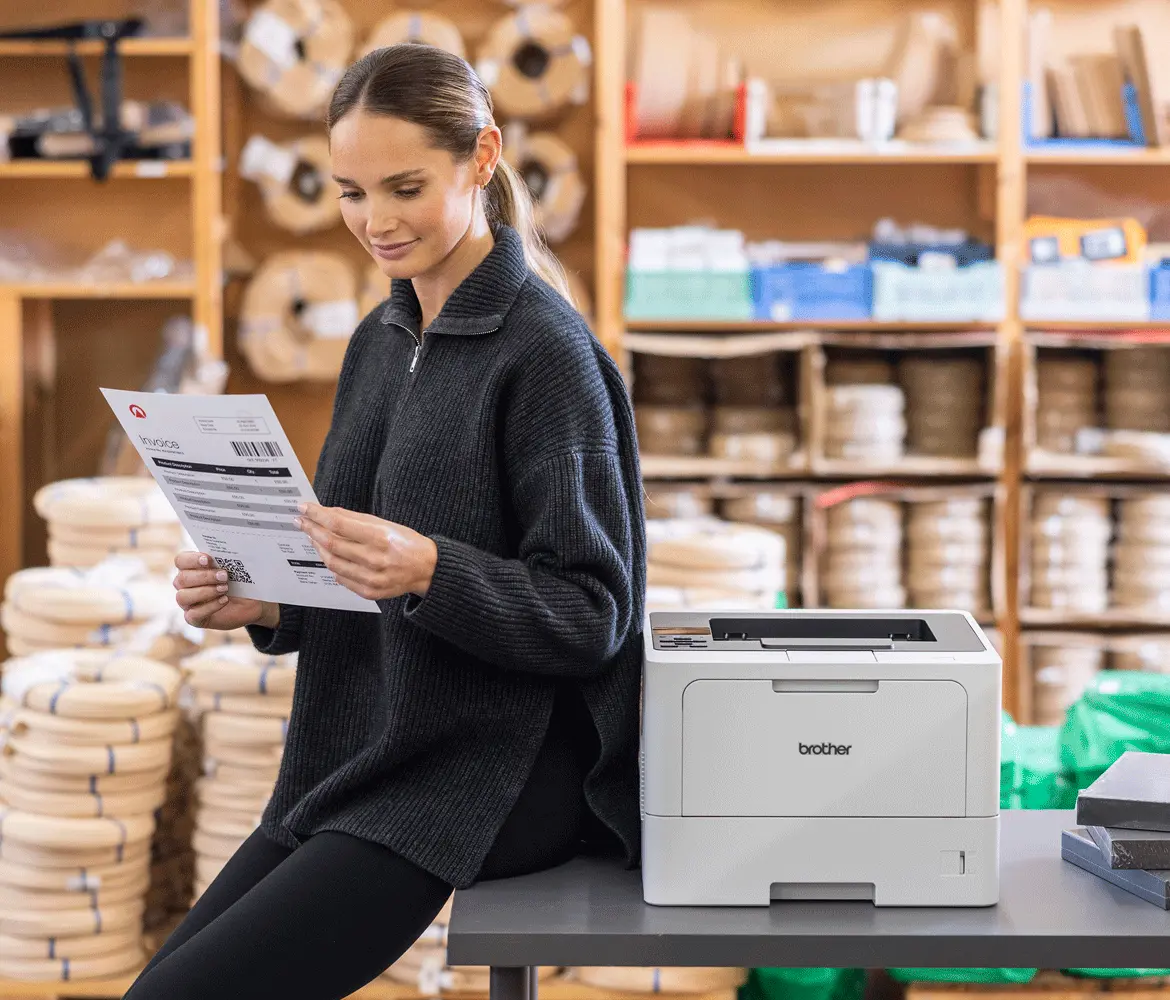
(1066,400)
(756,433)
(1060,675)
(947,554)
(668,381)
(671,430)
(1070,552)
(863,560)
(92,519)
(86,754)
(707,562)
(779,512)
(245,699)
(1140,652)
(172,869)
(859,368)
(1137,389)
(865,423)
(108,605)
(675,981)
(944,403)
(1141,556)
(754,381)
(675,500)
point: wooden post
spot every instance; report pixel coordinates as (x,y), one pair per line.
(11,434)
(610,171)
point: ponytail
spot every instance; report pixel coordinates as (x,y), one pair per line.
(507,201)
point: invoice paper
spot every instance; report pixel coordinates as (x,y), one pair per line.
(226,466)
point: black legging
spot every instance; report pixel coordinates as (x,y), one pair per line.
(320,921)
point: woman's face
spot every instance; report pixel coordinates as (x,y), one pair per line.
(408,203)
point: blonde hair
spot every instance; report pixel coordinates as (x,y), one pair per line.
(442,94)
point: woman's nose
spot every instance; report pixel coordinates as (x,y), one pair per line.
(380,223)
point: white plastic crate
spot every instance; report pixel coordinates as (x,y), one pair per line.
(968,294)
(1078,290)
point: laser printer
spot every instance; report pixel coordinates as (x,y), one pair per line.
(819,755)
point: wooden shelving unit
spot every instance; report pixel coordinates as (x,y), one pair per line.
(54,335)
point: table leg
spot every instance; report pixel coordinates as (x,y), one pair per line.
(513,983)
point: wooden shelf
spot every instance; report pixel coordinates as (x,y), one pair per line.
(79,169)
(908,467)
(799,151)
(1158,156)
(1111,618)
(757,326)
(1050,465)
(127,47)
(704,467)
(1089,326)
(127,290)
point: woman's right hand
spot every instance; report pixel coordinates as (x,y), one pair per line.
(202,594)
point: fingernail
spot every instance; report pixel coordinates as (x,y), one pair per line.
(302,507)
(223,600)
(221,576)
(222,588)
(203,560)
(299,522)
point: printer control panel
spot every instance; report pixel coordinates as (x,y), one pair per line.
(682,637)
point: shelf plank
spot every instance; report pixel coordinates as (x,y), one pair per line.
(705,467)
(1111,618)
(1089,326)
(119,290)
(908,467)
(756,326)
(1050,465)
(127,47)
(79,169)
(1158,156)
(798,151)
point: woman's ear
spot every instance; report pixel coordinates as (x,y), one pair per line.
(489,147)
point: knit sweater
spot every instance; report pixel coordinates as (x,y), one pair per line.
(508,438)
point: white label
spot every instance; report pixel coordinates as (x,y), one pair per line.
(488,71)
(262,158)
(331,320)
(273,36)
(150,168)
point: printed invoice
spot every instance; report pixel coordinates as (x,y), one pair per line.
(226,466)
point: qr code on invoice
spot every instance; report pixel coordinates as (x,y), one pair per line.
(236,571)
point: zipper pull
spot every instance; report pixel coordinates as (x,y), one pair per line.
(414,360)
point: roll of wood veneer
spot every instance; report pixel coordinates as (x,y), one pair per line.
(295,181)
(419,27)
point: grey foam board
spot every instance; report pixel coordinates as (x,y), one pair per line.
(1132,849)
(1133,794)
(1077,847)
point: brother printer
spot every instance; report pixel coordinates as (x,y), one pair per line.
(820,755)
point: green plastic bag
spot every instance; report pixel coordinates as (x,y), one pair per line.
(1040,780)
(1121,710)
(804,984)
(1117,973)
(988,976)
(1008,759)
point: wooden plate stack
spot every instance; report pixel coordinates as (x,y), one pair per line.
(245,699)
(112,605)
(86,755)
(865,423)
(754,381)
(1060,675)
(674,981)
(1137,389)
(1141,555)
(92,519)
(674,500)
(755,433)
(671,430)
(1141,652)
(662,380)
(1070,552)
(712,563)
(172,869)
(779,512)
(944,404)
(1066,400)
(863,558)
(947,554)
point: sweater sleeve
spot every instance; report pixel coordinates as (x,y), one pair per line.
(285,638)
(564,606)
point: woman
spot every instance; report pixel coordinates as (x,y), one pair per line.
(480,481)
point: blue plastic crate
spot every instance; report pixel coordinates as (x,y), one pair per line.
(1160,291)
(807,291)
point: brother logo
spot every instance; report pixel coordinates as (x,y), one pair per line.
(158,442)
(823,748)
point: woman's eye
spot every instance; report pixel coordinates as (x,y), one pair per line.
(408,192)
(350,195)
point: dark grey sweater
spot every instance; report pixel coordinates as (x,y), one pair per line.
(512,445)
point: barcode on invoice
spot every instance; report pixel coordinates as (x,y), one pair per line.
(257,449)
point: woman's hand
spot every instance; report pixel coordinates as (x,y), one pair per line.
(375,559)
(202,594)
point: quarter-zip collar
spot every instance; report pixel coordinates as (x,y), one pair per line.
(480,301)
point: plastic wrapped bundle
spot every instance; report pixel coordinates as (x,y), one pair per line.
(1070,552)
(948,554)
(863,559)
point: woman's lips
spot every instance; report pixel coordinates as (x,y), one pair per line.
(392,251)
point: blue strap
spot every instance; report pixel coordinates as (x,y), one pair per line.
(129,602)
(657,980)
(264,680)
(65,970)
(105,630)
(93,784)
(52,947)
(110,755)
(56,696)
(100,807)
(135,732)
(133,538)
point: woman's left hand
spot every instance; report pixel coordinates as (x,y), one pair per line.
(375,559)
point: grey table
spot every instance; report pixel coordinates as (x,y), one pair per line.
(1051,914)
